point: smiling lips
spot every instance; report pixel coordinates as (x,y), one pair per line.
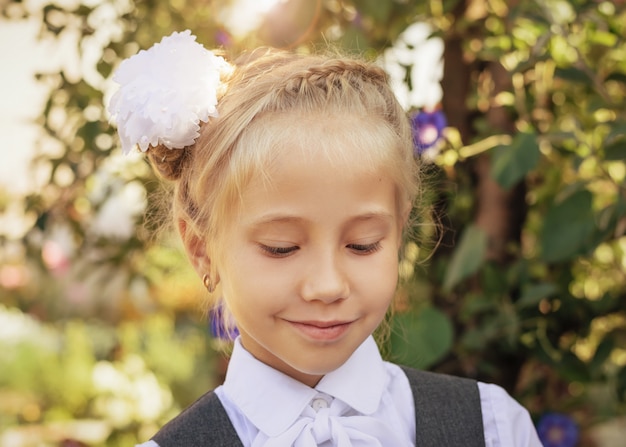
(322,330)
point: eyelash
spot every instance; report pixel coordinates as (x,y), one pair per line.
(281,252)
(365,249)
(278,252)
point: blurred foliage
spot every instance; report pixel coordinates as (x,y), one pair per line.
(95,383)
(527,287)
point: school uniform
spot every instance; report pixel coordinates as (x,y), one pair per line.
(365,402)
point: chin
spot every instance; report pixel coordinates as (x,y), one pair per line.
(317,368)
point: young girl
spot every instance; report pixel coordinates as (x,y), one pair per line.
(294,182)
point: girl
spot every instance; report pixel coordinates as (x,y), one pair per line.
(294,182)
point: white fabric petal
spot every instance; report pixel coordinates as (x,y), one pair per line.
(165,92)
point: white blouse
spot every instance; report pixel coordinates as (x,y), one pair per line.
(365,402)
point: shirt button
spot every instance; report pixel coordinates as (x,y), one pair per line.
(318,403)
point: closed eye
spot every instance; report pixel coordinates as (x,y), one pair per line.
(364,249)
(278,252)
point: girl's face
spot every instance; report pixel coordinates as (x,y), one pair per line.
(310,263)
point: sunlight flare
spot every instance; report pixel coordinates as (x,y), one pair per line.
(246,15)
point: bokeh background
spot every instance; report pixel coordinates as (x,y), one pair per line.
(520,122)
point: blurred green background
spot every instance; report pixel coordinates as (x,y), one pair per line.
(103,331)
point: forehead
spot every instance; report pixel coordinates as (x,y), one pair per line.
(311,191)
(349,142)
(321,168)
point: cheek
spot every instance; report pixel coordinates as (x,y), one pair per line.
(379,282)
(250,288)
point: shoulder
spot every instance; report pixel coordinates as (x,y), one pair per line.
(441,398)
(447,409)
(204,423)
(148,444)
(506,422)
(436,385)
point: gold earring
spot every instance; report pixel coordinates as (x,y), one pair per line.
(208,283)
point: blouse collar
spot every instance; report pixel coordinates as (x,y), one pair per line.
(273,401)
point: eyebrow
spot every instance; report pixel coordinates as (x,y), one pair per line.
(374,215)
(275,218)
(287,218)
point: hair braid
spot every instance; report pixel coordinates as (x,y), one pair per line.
(334,74)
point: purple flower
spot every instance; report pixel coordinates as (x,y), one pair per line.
(357,20)
(217,326)
(223,38)
(557,430)
(428,127)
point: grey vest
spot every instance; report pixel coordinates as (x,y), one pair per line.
(447,413)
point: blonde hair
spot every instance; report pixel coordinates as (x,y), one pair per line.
(270,97)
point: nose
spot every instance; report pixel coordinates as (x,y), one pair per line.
(325,279)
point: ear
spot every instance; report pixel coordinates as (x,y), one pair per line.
(195,247)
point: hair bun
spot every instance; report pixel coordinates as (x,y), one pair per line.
(168,163)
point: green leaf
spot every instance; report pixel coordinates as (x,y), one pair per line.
(573,369)
(618,131)
(621,381)
(532,294)
(474,304)
(493,279)
(603,352)
(616,151)
(603,38)
(511,163)
(607,221)
(617,76)
(474,339)
(376,9)
(567,227)
(604,305)
(572,74)
(467,258)
(500,327)
(420,339)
